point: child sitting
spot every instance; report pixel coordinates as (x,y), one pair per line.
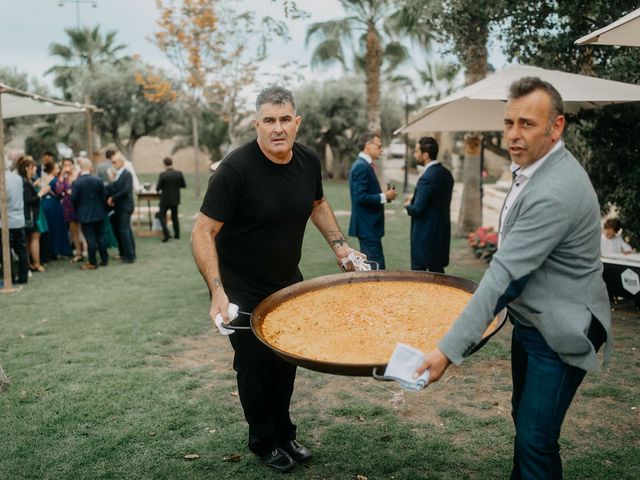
(610,241)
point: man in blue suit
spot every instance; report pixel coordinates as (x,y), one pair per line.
(367,199)
(429,210)
(120,197)
(87,195)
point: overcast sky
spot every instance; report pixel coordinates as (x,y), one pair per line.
(28,27)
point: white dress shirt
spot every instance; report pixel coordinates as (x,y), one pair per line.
(119,172)
(519,183)
(369,160)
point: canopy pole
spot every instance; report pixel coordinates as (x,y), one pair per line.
(89,125)
(4,213)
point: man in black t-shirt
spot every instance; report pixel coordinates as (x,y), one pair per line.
(247,243)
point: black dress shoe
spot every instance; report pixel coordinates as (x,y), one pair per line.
(279,460)
(296,451)
(165,239)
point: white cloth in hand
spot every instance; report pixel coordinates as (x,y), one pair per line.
(359,262)
(233,313)
(404,361)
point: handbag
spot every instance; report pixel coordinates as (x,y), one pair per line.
(29,223)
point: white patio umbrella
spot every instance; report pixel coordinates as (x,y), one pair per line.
(16,103)
(624,31)
(480,106)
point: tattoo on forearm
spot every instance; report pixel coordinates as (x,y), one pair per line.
(217,283)
(338,242)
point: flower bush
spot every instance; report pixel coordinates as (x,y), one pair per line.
(484,242)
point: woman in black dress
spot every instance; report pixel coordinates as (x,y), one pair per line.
(33,221)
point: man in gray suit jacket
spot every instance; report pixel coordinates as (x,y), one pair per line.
(547,273)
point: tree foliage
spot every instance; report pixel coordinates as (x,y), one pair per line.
(542,33)
(87,48)
(369,34)
(333,115)
(13,77)
(209,44)
(463,26)
(134,99)
(46,135)
(212,133)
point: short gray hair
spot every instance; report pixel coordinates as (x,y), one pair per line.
(527,85)
(366,137)
(275,95)
(84,163)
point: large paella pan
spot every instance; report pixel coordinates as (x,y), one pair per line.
(349,323)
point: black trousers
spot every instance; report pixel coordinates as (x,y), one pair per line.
(121,224)
(372,248)
(426,268)
(18,243)
(113,220)
(265,386)
(94,234)
(174,220)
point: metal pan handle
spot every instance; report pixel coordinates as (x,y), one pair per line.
(230,326)
(380,378)
(484,340)
(373,264)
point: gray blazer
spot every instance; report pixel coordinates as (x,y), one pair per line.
(547,270)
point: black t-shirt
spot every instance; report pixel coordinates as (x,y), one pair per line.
(265,207)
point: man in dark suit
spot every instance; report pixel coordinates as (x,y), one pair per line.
(169,184)
(429,210)
(367,199)
(120,197)
(87,195)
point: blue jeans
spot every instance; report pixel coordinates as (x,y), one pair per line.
(372,248)
(543,388)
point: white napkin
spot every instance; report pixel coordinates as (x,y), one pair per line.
(359,262)
(404,361)
(233,313)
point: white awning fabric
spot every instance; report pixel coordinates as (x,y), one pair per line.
(624,31)
(16,103)
(480,106)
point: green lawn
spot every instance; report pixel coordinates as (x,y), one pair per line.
(118,374)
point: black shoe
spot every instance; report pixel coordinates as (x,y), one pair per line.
(104,263)
(165,239)
(296,451)
(177,237)
(279,460)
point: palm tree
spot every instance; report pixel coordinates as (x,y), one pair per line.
(373,20)
(465,26)
(87,47)
(440,78)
